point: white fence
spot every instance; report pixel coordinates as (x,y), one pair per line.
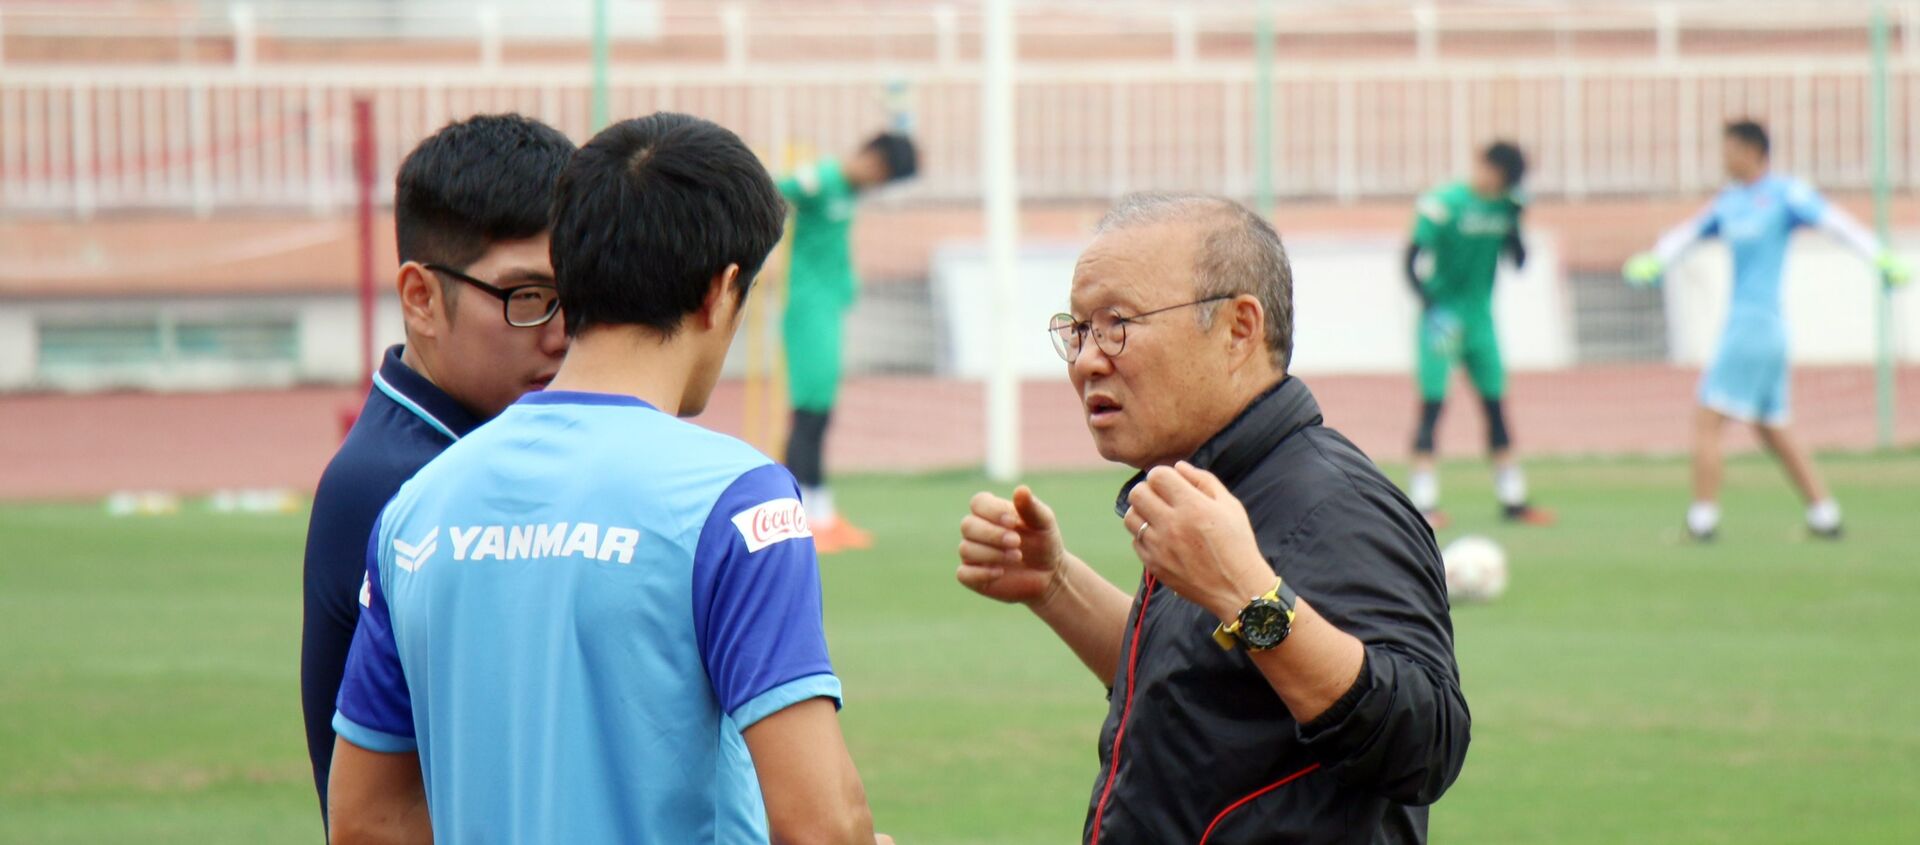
(83,141)
(759,31)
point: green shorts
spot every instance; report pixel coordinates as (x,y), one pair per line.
(1449,336)
(812,333)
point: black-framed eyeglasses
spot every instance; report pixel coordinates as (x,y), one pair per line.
(1108,327)
(524,306)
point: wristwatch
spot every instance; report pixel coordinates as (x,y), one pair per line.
(1263,624)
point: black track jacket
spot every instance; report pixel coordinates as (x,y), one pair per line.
(1197,747)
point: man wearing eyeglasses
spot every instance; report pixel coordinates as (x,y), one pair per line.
(477,295)
(1284,671)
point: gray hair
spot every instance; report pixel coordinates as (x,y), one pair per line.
(1241,254)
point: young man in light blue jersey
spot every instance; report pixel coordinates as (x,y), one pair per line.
(1748,379)
(591,620)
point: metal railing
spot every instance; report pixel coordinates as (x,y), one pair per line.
(947,32)
(78,142)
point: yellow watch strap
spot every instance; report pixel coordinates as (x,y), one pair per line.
(1227,634)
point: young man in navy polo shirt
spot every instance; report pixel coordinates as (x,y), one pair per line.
(476,289)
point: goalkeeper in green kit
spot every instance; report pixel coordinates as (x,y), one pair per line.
(1460,231)
(820,290)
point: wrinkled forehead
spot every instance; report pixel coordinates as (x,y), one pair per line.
(1135,268)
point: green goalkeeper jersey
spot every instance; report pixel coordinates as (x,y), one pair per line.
(821,269)
(1464,233)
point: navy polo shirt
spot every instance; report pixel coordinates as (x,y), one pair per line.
(405,423)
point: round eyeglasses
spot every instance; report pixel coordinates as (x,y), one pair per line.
(1108,328)
(524,306)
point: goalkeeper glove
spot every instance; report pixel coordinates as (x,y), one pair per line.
(1444,332)
(1894,270)
(1643,270)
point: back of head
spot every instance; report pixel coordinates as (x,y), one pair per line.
(1506,157)
(897,150)
(476,182)
(1752,134)
(1240,253)
(649,212)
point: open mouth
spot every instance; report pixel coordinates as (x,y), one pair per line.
(1101,408)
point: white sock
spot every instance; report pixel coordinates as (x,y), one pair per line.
(1703,517)
(1823,515)
(1510,485)
(818,502)
(1424,490)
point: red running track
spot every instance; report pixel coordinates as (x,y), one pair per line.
(68,447)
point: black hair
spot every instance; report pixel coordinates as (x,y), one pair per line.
(476,182)
(649,212)
(897,150)
(1751,133)
(1505,156)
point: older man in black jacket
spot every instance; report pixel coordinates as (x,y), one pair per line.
(1285,670)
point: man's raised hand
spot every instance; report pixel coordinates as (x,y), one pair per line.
(1010,550)
(1194,536)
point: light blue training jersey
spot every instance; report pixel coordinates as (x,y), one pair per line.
(1757,222)
(573,613)
(1748,378)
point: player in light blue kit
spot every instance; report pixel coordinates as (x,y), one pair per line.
(590,620)
(1748,380)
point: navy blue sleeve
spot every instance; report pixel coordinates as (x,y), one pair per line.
(344,510)
(375,710)
(756,600)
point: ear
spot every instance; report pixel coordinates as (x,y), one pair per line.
(1246,329)
(722,305)
(422,302)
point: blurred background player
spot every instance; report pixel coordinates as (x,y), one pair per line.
(821,287)
(1461,229)
(1748,379)
(470,211)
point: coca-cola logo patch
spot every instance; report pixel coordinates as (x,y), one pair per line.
(766,524)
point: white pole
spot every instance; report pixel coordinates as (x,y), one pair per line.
(245,34)
(490,37)
(1002,210)
(733,27)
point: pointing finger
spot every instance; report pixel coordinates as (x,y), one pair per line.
(1033,512)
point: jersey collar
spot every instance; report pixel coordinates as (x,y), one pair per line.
(412,391)
(582,397)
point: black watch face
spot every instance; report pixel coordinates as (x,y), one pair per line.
(1264,624)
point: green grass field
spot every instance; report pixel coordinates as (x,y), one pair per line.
(1630,688)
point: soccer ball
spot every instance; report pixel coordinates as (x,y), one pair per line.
(1476,569)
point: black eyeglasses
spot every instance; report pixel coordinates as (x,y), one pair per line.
(1108,327)
(524,306)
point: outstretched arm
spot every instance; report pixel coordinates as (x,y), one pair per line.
(1676,241)
(1647,267)
(1811,209)
(1836,222)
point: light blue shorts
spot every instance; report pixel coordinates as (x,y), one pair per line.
(1749,379)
